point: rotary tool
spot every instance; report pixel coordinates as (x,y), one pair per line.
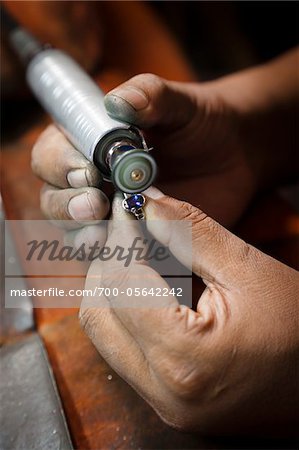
(76,105)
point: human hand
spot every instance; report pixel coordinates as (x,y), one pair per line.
(195,134)
(218,142)
(196,146)
(71,190)
(227,367)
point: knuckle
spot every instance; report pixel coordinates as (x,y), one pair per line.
(149,79)
(39,147)
(155,90)
(190,212)
(181,374)
(44,199)
(184,381)
(46,195)
(157,85)
(52,129)
(34,164)
(115,276)
(153,86)
(35,157)
(49,133)
(246,253)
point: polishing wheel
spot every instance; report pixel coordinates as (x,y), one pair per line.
(134,172)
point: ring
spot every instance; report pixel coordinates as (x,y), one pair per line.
(134,204)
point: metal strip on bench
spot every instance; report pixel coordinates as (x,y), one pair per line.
(32,416)
(13,320)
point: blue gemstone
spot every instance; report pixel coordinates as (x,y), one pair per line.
(135,201)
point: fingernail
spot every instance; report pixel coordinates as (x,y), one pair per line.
(125,102)
(80,209)
(77,178)
(154,193)
(134,96)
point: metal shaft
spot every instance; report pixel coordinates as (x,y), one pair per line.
(72,98)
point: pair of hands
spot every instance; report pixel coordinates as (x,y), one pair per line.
(230,364)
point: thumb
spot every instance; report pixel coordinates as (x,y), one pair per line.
(147,100)
(218,256)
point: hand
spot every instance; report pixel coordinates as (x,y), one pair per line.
(227,367)
(195,134)
(71,189)
(217,143)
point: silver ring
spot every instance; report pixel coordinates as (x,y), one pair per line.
(133,203)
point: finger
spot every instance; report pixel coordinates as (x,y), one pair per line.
(113,340)
(81,205)
(57,162)
(155,354)
(108,334)
(163,329)
(218,256)
(147,100)
(140,313)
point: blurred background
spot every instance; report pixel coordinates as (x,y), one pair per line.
(57,391)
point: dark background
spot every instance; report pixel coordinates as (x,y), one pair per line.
(221,37)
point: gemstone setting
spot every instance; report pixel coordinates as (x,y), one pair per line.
(134,202)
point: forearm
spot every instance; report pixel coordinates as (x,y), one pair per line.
(266,101)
